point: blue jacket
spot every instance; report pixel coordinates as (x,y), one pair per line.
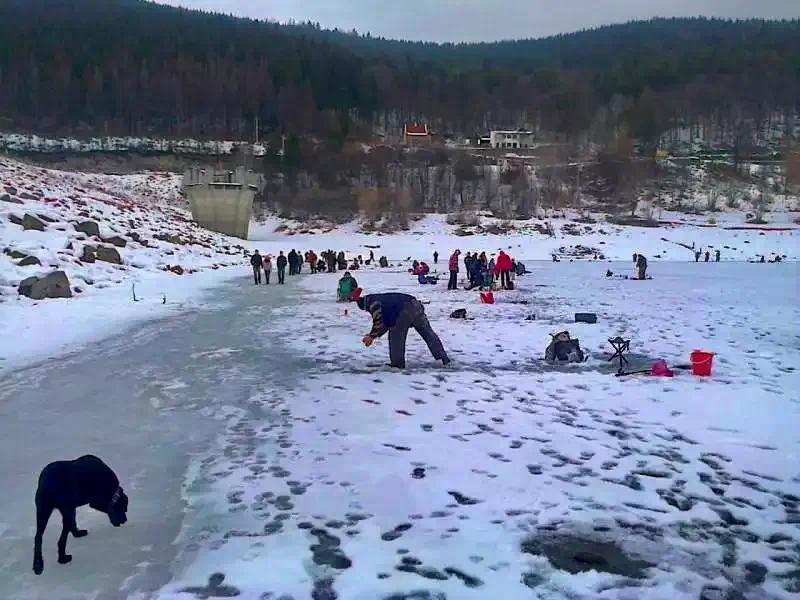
(385,308)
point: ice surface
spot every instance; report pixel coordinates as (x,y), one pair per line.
(148,403)
(372,483)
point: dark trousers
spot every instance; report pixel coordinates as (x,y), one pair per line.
(642,272)
(281,275)
(453,283)
(505,278)
(413,315)
(267,273)
(256,274)
(313,267)
(299,268)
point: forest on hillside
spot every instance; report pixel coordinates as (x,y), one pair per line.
(128,67)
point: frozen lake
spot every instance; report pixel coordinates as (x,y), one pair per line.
(254,442)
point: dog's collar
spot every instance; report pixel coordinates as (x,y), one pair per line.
(115,498)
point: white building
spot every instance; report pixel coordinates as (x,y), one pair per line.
(511,139)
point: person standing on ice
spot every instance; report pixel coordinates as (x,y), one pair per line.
(453,266)
(435,257)
(697,255)
(267,268)
(717,255)
(256,263)
(395,314)
(707,256)
(281,264)
(641,265)
(503,268)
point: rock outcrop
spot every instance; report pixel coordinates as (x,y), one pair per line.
(90,228)
(52,285)
(118,241)
(107,254)
(29,261)
(31,222)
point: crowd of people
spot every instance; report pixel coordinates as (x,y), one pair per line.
(483,272)
(327,261)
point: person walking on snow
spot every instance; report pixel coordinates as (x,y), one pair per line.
(395,314)
(281,264)
(453,266)
(255,261)
(267,268)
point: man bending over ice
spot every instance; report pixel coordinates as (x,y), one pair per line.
(397,313)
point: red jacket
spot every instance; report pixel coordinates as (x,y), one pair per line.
(453,264)
(503,263)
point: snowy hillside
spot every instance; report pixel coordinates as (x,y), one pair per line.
(105,233)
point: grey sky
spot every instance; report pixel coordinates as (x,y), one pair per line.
(486,20)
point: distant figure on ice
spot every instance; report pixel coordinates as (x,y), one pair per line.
(257,263)
(717,255)
(281,263)
(371,256)
(435,257)
(267,268)
(641,265)
(298,263)
(383,262)
(708,255)
(453,266)
(697,255)
(347,285)
(395,314)
(331,259)
(342,261)
(292,260)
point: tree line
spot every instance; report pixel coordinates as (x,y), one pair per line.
(129,67)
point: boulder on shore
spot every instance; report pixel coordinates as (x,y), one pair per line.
(90,228)
(31,222)
(29,261)
(108,254)
(116,240)
(52,285)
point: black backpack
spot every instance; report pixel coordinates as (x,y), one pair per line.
(459,313)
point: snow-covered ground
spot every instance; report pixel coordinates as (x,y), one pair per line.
(307,470)
(500,475)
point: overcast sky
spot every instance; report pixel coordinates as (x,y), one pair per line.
(486,20)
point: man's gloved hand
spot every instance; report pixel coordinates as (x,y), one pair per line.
(367,340)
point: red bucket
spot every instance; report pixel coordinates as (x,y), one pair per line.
(487,298)
(701,363)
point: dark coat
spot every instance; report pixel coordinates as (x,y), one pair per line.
(255,260)
(384,308)
(281,262)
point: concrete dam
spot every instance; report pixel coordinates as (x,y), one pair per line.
(222,201)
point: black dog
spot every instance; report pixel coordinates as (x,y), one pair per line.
(67,484)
